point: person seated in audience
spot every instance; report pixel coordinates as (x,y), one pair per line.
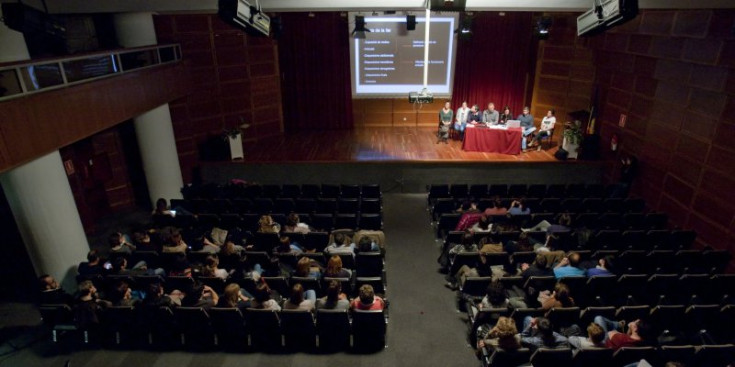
(604,267)
(285,246)
(490,116)
(119,244)
(211,268)
(155,297)
(503,336)
(175,243)
(563,220)
(293,224)
(461,121)
(300,299)
(505,116)
(335,299)
(518,207)
(467,245)
(262,298)
(120,267)
(464,272)
(366,244)
(307,269)
(235,297)
(496,208)
(51,291)
(342,245)
(470,215)
(143,241)
(482,226)
(367,300)
(569,266)
(198,295)
(335,269)
(546,128)
(88,307)
(267,225)
(93,266)
(558,298)
(638,333)
(539,333)
(180,267)
(122,295)
(595,338)
(522,244)
(495,296)
(539,268)
(526,124)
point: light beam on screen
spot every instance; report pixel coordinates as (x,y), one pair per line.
(389,61)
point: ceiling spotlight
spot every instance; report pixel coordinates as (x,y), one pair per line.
(542,27)
(359,32)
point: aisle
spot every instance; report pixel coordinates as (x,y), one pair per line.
(424,324)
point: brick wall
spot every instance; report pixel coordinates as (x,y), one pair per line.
(235,78)
(671,73)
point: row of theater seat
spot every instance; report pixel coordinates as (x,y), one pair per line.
(280,205)
(479,191)
(292,191)
(549,205)
(249,221)
(691,356)
(194,328)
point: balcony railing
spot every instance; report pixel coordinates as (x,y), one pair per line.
(38,76)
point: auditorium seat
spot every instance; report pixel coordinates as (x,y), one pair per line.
(680,353)
(592,205)
(634,205)
(437,191)
(290,191)
(222,206)
(229,329)
(195,327)
(634,221)
(371,191)
(628,355)
(499,190)
(502,358)
(284,205)
(575,191)
(478,191)
(348,205)
(656,220)
(588,315)
(613,205)
(715,355)
(369,330)
(326,205)
(703,323)
(333,329)
(546,357)
(330,191)
(517,191)
(442,206)
(299,330)
(310,191)
(571,205)
(350,191)
(305,205)
(322,222)
(536,191)
(370,206)
(659,288)
(563,317)
(666,320)
(598,357)
(242,205)
(348,221)
(447,222)
(264,329)
(519,314)
(371,221)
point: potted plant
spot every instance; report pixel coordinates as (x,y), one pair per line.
(572,138)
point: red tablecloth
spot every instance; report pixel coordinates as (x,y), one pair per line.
(492,140)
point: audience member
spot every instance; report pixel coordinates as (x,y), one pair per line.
(638,333)
(335,299)
(119,244)
(122,295)
(300,299)
(569,266)
(367,300)
(93,266)
(604,267)
(538,333)
(175,243)
(235,297)
(267,225)
(51,292)
(262,298)
(518,207)
(305,268)
(496,208)
(88,307)
(503,336)
(342,245)
(285,246)
(335,269)
(558,298)
(293,224)
(595,338)
(366,244)
(211,268)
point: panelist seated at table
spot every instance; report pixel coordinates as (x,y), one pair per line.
(505,116)
(526,124)
(461,122)
(546,128)
(490,116)
(475,115)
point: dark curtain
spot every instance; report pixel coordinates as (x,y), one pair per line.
(492,66)
(314,57)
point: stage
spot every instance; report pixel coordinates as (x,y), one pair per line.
(400,159)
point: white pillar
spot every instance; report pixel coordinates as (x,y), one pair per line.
(46,213)
(158,152)
(13,44)
(153,128)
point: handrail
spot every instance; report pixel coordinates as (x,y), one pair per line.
(43,75)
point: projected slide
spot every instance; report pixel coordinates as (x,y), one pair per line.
(389,62)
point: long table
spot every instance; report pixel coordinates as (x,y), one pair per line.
(481,139)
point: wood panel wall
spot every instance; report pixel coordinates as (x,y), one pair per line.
(235,80)
(565,72)
(389,112)
(41,123)
(673,74)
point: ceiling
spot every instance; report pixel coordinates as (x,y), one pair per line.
(204,6)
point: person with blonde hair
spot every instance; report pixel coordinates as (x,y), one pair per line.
(504,336)
(234,296)
(267,225)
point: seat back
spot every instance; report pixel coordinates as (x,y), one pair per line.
(546,357)
(476,286)
(228,324)
(333,329)
(599,357)
(369,264)
(628,355)
(299,329)
(195,326)
(369,330)
(503,358)
(264,329)
(563,317)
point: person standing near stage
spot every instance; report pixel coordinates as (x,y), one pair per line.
(490,116)
(526,124)
(445,120)
(461,122)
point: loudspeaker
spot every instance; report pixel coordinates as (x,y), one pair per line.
(410,22)
(561,154)
(359,22)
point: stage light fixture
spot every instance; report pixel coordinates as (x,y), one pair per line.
(465,27)
(410,22)
(359,32)
(542,27)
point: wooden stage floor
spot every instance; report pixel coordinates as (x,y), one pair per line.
(377,144)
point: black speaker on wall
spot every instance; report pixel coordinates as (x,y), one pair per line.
(411,22)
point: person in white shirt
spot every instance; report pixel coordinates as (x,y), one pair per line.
(462,114)
(546,128)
